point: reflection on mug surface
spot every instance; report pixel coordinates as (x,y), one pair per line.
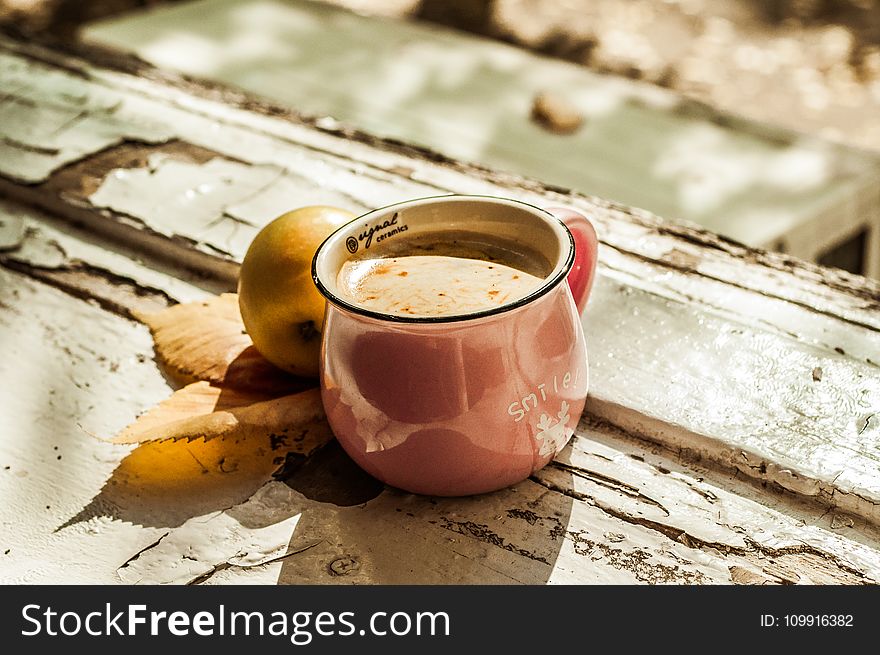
(460,403)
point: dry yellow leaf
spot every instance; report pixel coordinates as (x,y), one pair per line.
(207,341)
(196,399)
(200,411)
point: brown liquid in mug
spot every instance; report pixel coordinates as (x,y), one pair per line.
(441,275)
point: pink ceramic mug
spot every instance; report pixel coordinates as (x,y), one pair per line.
(458,405)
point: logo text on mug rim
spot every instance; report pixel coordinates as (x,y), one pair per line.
(368,234)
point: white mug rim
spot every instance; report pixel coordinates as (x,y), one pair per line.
(559,273)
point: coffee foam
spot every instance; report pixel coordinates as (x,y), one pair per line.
(441,275)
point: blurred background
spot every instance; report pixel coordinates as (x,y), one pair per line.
(757,119)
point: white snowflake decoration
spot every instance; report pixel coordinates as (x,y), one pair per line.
(552,435)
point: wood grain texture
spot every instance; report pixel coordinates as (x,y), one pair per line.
(69,257)
(722,356)
(470,98)
(610,509)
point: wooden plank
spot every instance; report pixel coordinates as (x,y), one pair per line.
(336,156)
(720,365)
(76,509)
(71,379)
(57,252)
(470,98)
(81,510)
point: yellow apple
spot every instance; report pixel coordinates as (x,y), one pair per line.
(282,310)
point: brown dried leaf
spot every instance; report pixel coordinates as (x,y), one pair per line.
(201,411)
(207,341)
(196,399)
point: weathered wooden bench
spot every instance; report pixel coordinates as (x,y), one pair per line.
(470,98)
(732,433)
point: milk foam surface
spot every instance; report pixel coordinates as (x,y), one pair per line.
(433,285)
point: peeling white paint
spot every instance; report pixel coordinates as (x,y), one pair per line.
(77,371)
(60,119)
(469,98)
(220,204)
(27,237)
(175,194)
(524,534)
(664,347)
(205,544)
(694,380)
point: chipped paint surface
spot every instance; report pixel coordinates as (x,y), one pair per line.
(264,166)
(67,354)
(49,118)
(204,545)
(469,98)
(750,391)
(174,191)
(31,241)
(608,510)
(60,120)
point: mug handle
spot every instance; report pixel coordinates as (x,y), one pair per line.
(586,250)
